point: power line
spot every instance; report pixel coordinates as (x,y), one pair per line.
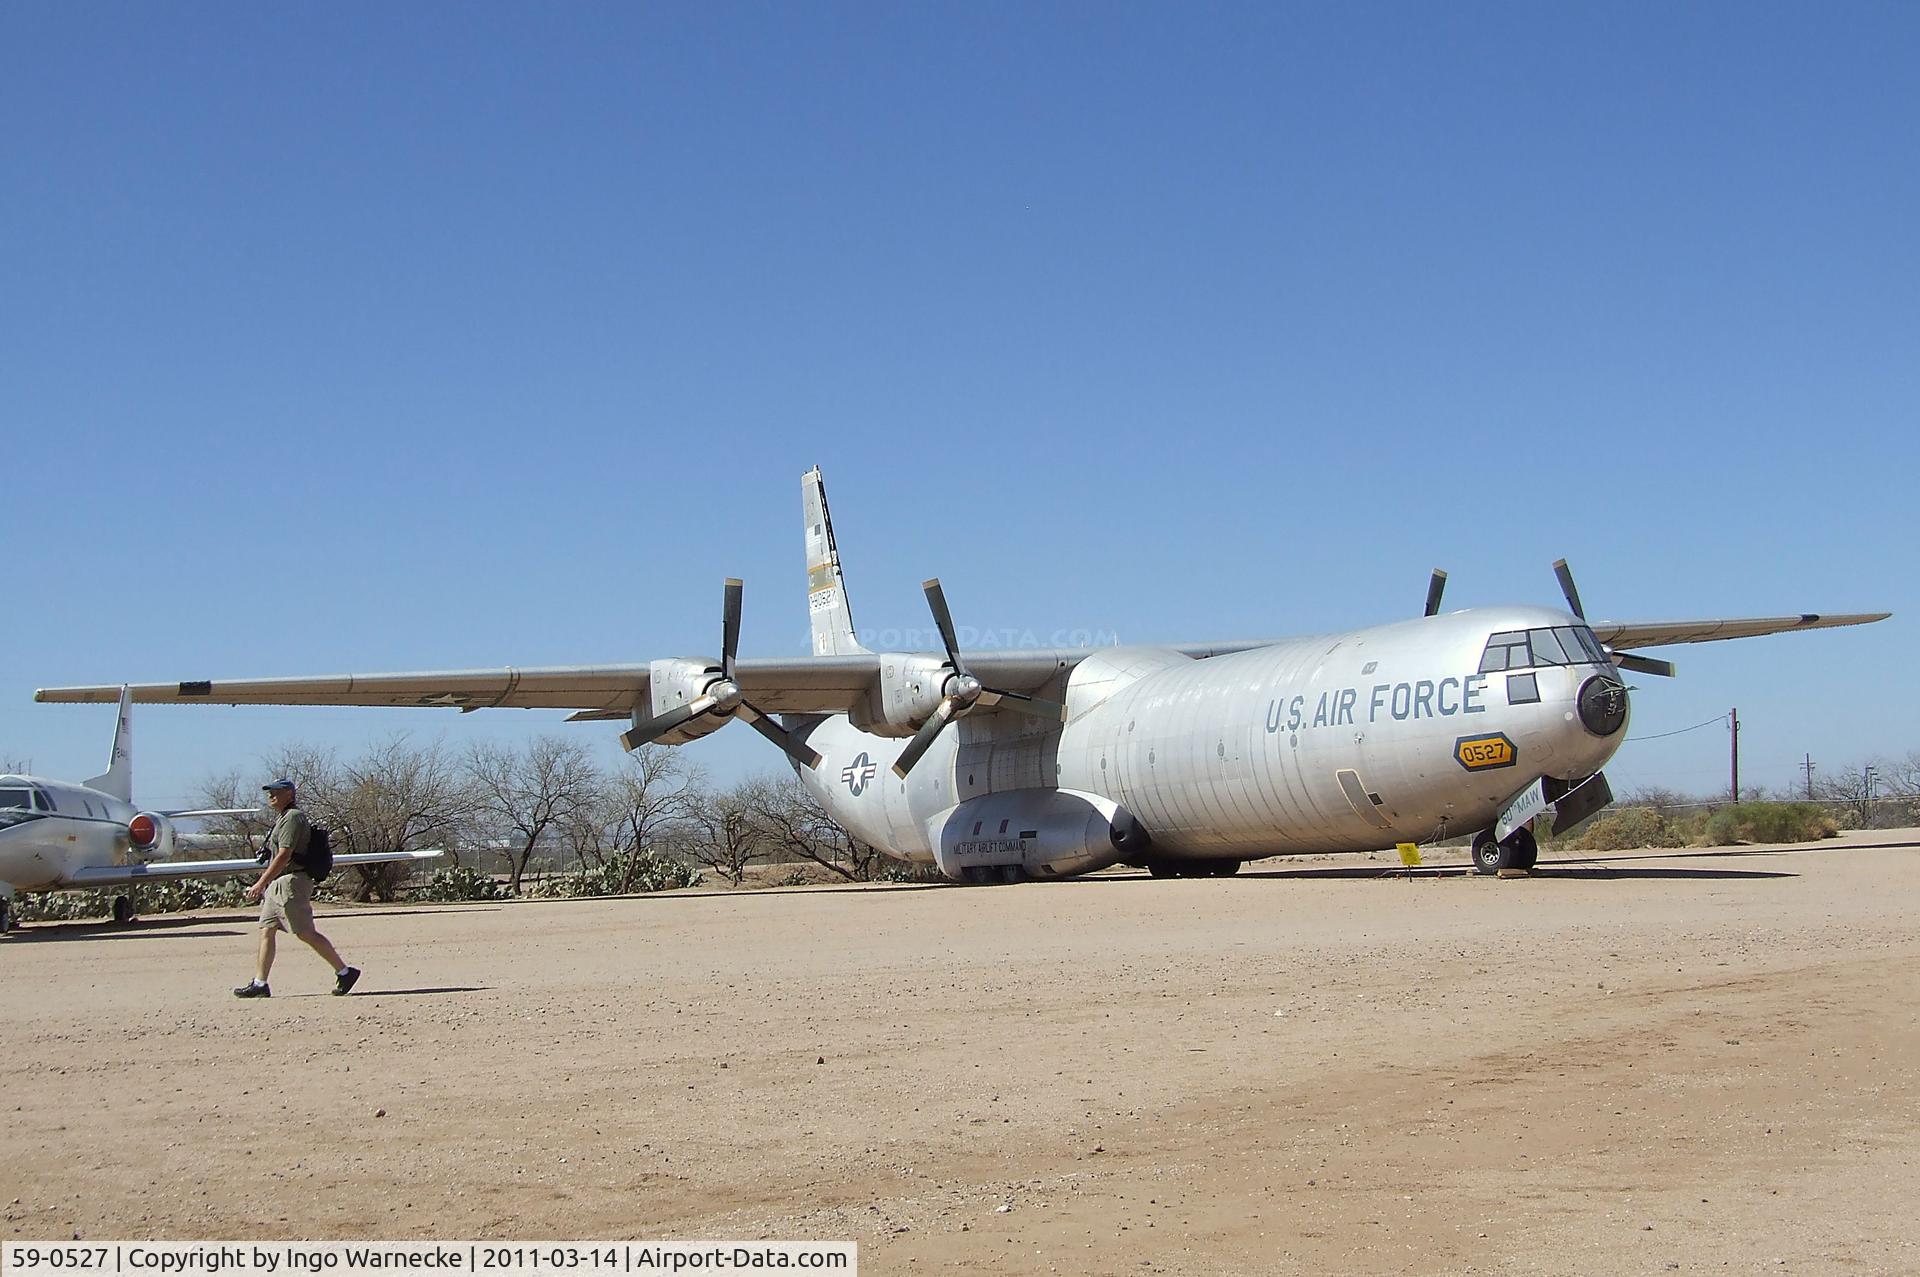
(1696,727)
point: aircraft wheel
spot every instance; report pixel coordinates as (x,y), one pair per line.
(1489,856)
(1526,851)
(6,915)
(123,909)
(1012,873)
(1163,869)
(1225,868)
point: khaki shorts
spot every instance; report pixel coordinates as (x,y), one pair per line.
(288,903)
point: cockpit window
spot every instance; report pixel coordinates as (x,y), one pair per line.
(16,798)
(42,800)
(1506,650)
(1546,648)
(1527,649)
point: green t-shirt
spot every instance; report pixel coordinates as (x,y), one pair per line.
(291,832)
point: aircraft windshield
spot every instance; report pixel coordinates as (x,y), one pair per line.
(1527,649)
(16,798)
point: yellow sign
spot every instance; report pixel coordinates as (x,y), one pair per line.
(1481,753)
(1409,854)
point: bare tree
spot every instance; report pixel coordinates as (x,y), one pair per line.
(1852,788)
(791,820)
(395,797)
(235,790)
(724,836)
(531,791)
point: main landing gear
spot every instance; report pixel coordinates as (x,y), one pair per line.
(123,909)
(1517,850)
(6,914)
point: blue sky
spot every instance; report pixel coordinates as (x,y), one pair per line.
(354,337)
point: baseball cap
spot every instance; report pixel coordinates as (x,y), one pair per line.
(282,783)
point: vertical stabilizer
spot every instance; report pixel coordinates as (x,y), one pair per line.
(117,780)
(827,608)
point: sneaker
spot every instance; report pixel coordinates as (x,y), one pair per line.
(344,982)
(253,989)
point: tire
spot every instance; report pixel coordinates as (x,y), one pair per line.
(1224,868)
(1488,855)
(123,909)
(1162,869)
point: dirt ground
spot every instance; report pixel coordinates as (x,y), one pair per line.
(1637,1063)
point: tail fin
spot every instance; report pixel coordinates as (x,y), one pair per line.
(827,606)
(117,780)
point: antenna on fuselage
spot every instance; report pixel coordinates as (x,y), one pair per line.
(1435,588)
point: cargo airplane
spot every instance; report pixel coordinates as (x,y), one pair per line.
(59,836)
(1184,759)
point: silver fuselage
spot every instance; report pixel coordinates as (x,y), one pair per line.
(1342,742)
(62,828)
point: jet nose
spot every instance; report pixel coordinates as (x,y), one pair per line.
(1603,705)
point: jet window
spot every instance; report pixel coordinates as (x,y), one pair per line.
(41,800)
(1523,689)
(16,798)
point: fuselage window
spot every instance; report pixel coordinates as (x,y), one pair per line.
(1522,689)
(15,798)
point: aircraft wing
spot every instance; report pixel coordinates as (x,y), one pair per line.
(781,685)
(121,875)
(1625,635)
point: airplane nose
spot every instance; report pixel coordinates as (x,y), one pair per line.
(1603,705)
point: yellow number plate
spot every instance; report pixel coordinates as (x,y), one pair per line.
(1482,753)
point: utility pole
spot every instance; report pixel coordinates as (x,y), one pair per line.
(1735,718)
(1809,777)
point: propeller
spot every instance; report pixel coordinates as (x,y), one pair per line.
(962,691)
(1435,588)
(1622,660)
(1565,575)
(724,697)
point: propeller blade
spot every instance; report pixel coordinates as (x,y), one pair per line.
(654,728)
(1021,702)
(730,626)
(937,600)
(1642,664)
(1435,588)
(795,749)
(923,739)
(1565,574)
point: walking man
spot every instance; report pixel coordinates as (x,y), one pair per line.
(285,893)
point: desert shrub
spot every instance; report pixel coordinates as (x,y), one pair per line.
(157,897)
(1624,828)
(623,873)
(1768,822)
(459,882)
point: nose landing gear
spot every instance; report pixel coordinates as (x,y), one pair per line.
(1517,850)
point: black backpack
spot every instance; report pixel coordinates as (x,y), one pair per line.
(318,861)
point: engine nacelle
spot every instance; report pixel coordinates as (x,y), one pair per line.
(909,688)
(151,836)
(1045,833)
(673,682)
